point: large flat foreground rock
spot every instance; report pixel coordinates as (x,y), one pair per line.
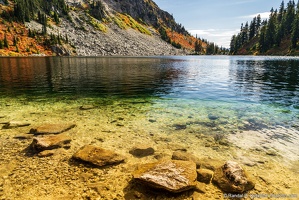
(174,175)
(51,129)
(98,156)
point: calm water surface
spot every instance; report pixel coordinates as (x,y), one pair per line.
(222,93)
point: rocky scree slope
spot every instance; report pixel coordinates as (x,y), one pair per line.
(112,27)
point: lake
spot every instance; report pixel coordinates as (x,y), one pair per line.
(216,108)
(228,91)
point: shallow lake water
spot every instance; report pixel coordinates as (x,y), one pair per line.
(171,103)
(211,91)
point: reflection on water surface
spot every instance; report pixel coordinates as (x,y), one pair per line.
(233,89)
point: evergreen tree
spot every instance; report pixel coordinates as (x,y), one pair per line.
(252,31)
(15,41)
(270,30)
(262,41)
(289,17)
(210,49)
(295,29)
(244,33)
(164,35)
(197,46)
(295,33)
(44,23)
(232,45)
(56,18)
(1,44)
(279,34)
(5,42)
(258,24)
(281,12)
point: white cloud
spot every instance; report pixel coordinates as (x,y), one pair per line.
(264,15)
(221,37)
(242,2)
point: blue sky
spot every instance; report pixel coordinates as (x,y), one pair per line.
(216,20)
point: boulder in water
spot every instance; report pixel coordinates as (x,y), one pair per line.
(98,156)
(173,175)
(232,178)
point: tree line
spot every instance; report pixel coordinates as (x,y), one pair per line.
(282,24)
(27,10)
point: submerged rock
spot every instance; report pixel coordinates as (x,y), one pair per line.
(50,142)
(212,117)
(204,175)
(98,156)
(87,107)
(51,129)
(180,126)
(47,153)
(181,155)
(232,178)
(173,175)
(142,151)
(15,124)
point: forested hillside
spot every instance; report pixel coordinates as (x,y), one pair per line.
(277,35)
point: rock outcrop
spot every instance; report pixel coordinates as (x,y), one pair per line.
(174,176)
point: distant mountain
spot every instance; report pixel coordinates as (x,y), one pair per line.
(94,28)
(278,35)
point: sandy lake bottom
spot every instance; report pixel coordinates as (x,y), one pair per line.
(269,154)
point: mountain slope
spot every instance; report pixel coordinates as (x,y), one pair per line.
(94,27)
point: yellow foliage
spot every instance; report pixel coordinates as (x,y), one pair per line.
(19,32)
(96,24)
(125,21)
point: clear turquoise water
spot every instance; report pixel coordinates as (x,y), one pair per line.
(202,93)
